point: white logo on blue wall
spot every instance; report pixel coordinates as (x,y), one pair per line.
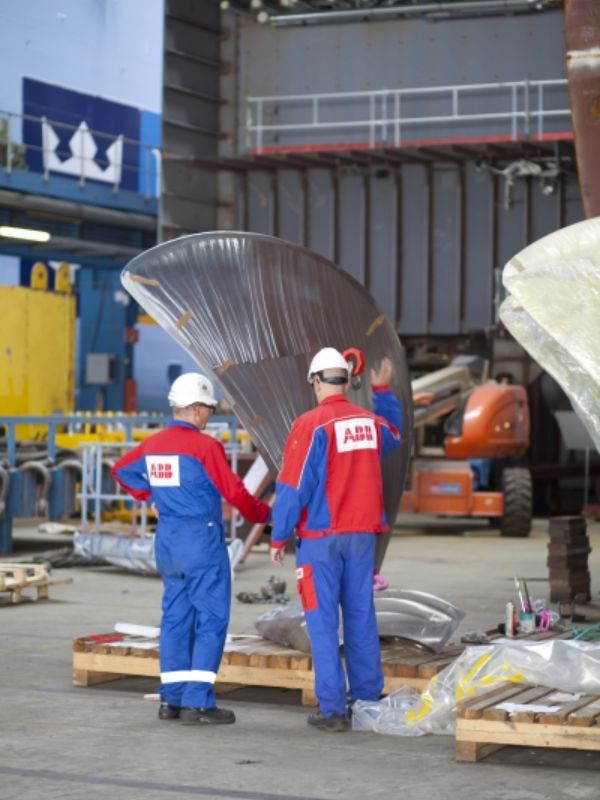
(82,161)
(77,136)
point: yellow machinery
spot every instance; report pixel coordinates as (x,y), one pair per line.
(37,348)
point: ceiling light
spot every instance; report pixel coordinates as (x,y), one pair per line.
(29,234)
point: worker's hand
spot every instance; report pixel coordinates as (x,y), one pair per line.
(383,375)
(154,509)
(277,556)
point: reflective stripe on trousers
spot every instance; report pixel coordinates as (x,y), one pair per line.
(194,565)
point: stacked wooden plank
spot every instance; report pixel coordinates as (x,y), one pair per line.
(16,578)
(568,551)
(527,716)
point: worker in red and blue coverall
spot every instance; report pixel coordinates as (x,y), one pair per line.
(330,490)
(184,473)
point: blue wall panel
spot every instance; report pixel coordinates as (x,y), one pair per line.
(70,108)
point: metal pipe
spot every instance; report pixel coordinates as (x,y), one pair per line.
(452,9)
(32,202)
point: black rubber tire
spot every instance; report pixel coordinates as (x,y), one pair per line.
(517,491)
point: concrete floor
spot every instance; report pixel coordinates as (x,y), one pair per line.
(71,743)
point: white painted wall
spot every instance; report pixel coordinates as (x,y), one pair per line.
(111,48)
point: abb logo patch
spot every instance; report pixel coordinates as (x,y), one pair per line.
(355,434)
(163,470)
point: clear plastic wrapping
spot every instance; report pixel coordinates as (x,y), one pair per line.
(387,715)
(565,665)
(553,311)
(131,553)
(252,310)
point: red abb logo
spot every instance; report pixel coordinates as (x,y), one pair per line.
(359,433)
(161,471)
(355,434)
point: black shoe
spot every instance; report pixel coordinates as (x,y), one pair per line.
(208,716)
(167,711)
(335,723)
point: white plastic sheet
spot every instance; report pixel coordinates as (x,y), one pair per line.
(565,665)
(133,553)
(553,310)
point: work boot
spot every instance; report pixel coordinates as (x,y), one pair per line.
(335,723)
(167,711)
(207,716)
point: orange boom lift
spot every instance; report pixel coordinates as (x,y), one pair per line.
(480,431)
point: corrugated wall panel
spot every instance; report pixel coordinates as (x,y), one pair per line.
(320,232)
(571,199)
(290,215)
(351,225)
(511,223)
(478,228)
(383,241)
(446,245)
(425,240)
(261,203)
(190,122)
(413,314)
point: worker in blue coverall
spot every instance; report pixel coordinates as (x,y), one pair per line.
(184,473)
(330,490)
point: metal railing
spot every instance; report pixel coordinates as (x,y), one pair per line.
(94,457)
(74,423)
(515,108)
(78,156)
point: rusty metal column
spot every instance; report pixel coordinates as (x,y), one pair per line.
(582,32)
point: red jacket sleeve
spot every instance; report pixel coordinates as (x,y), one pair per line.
(231,486)
(130,473)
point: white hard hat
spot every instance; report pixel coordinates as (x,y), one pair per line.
(189,388)
(327,358)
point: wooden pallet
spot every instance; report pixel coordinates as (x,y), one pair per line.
(541,717)
(16,578)
(248,661)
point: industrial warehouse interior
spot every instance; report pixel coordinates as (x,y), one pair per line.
(300,399)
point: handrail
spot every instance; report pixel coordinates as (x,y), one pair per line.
(78,157)
(523,104)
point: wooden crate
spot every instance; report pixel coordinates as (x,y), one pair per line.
(16,578)
(483,726)
(247,661)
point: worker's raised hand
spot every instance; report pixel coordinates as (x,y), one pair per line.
(383,375)
(277,556)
